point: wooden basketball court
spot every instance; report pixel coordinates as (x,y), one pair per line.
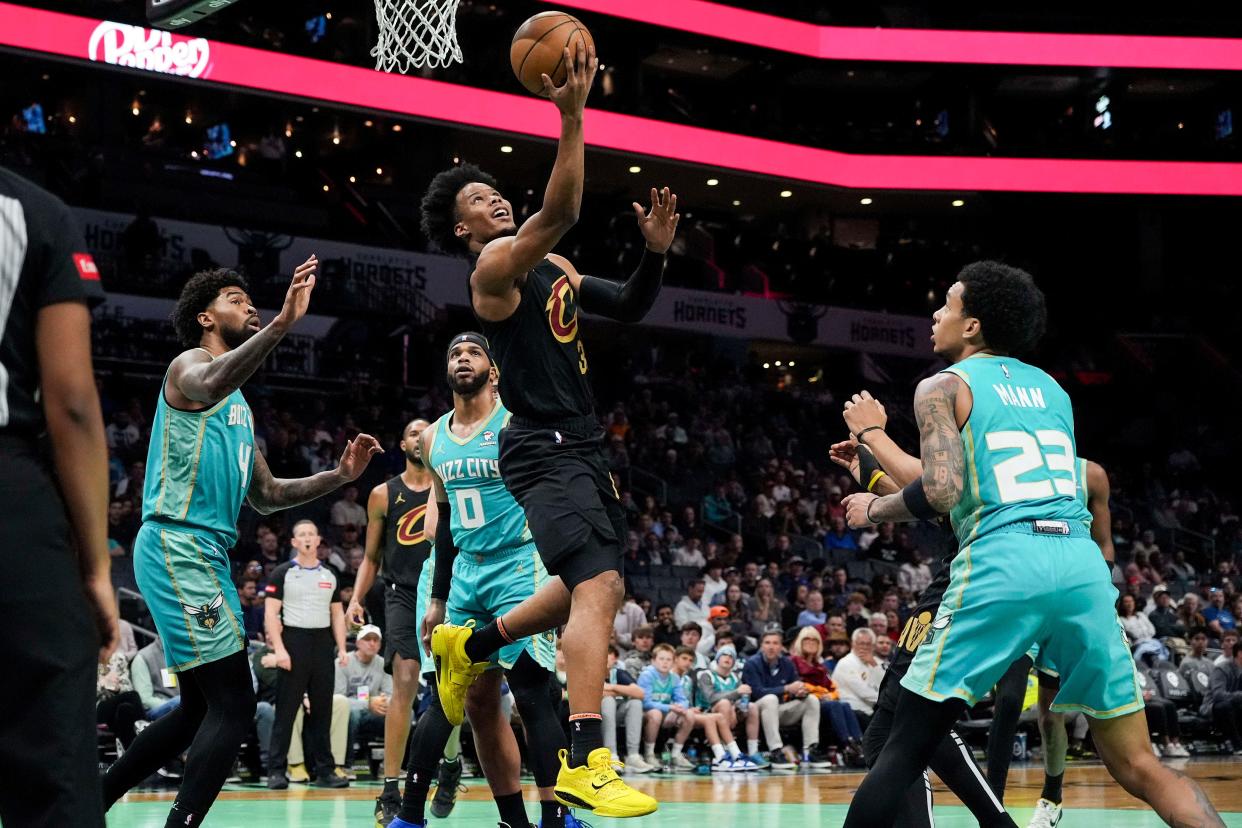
(762,799)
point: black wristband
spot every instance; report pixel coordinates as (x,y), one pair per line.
(870,519)
(859,435)
(868,467)
(915,498)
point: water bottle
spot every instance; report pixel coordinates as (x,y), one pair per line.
(743,702)
(666,758)
(1019,747)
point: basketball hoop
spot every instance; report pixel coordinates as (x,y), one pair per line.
(416,33)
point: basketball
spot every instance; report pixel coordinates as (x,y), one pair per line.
(539,45)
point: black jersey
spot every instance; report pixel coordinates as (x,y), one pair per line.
(43,261)
(406,545)
(919,622)
(543,366)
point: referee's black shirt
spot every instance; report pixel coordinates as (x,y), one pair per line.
(43,261)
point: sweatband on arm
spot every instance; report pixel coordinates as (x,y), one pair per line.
(915,498)
(446,552)
(628,302)
(869,470)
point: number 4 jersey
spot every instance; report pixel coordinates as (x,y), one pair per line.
(1019,449)
(486,518)
(198,467)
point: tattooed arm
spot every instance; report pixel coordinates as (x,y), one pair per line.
(940,449)
(268,494)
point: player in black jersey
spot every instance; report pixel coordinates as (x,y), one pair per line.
(551,456)
(879,465)
(397,547)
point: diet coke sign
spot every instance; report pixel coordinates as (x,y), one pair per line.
(149,49)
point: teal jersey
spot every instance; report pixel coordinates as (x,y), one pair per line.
(198,467)
(485,517)
(1021,461)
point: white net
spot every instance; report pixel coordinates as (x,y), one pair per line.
(416,33)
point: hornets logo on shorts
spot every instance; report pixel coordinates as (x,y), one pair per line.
(208,615)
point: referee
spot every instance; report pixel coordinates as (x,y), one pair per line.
(303,616)
(57,610)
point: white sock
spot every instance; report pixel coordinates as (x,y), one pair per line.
(732,749)
(718,751)
(649,750)
(752,746)
(677,749)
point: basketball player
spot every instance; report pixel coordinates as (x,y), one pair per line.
(867,463)
(200,466)
(486,564)
(1011,689)
(551,455)
(396,510)
(57,606)
(881,466)
(997,448)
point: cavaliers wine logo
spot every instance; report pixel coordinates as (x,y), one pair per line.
(916,630)
(410,526)
(563,311)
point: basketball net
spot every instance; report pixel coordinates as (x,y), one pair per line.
(416,33)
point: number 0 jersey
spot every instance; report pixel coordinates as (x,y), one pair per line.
(486,518)
(1021,462)
(198,467)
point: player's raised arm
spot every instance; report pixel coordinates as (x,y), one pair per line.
(508,258)
(203,379)
(630,300)
(269,494)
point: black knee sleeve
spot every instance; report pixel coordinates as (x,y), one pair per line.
(537,693)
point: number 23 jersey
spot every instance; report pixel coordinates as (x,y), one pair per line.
(486,518)
(1020,455)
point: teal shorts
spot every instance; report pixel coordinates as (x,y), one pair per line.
(428,667)
(485,587)
(1041,662)
(1013,588)
(186,582)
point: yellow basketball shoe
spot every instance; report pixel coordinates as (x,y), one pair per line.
(596,787)
(455,672)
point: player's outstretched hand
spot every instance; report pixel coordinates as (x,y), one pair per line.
(864,411)
(297,298)
(571,97)
(659,225)
(358,452)
(845,455)
(856,509)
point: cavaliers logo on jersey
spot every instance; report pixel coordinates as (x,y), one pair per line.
(916,630)
(410,526)
(562,311)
